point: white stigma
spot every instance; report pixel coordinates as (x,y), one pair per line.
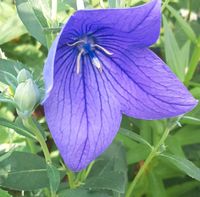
(96,62)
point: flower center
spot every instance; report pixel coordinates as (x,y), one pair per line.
(87,46)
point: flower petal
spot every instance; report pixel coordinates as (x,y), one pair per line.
(145,86)
(82,114)
(48,71)
(137,26)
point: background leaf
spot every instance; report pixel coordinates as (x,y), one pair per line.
(184,165)
(23,171)
(82,193)
(4,193)
(54,177)
(33,18)
(11,26)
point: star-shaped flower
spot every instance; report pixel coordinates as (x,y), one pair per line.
(98,68)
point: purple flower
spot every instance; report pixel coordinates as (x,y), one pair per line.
(98,68)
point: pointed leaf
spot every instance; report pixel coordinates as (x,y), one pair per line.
(54,177)
(17,127)
(184,25)
(32,18)
(184,165)
(9,70)
(114,181)
(133,136)
(172,51)
(23,171)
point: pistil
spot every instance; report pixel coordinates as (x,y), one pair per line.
(87,47)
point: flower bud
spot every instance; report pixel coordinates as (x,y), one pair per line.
(23,75)
(26,97)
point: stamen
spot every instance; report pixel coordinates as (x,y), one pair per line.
(103,49)
(78,61)
(75,43)
(87,48)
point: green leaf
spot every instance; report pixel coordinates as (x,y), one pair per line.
(109,171)
(174,145)
(113,159)
(193,62)
(184,165)
(145,130)
(33,57)
(184,25)
(172,51)
(114,181)
(4,193)
(185,55)
(11,26)
(156,186)
(196,92)
(33,18)
(137,153)
(133,136)
(40,128)
(23,171)
(188,135)
(82,193)
(112,3)
(54,177)
(182,188)
(6,99)
(17,127)
(191,120)
(9,70)
(71,3)
(116,3)
(6,155)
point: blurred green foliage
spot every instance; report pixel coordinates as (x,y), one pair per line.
(23,172)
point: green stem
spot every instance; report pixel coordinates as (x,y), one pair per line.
(29,124)
(71,178)
(190,9)
(165,4)
(88,170)
(154,152)
(31,145)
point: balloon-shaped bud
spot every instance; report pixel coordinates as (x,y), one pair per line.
(23,75)
(27,95)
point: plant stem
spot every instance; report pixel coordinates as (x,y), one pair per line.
(190,10)
(165,4)
(154,152)
(71,178)
(88,170)
(80,4)
(29,124)
(193,63)
(53,10)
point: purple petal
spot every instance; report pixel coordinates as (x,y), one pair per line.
(145,86)
(83,110)
(136,26)
(131,26)
(48,70)
(82,113)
